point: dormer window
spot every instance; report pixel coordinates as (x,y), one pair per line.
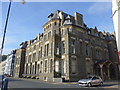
(50,16)
(68,21)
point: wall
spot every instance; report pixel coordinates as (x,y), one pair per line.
(2,64)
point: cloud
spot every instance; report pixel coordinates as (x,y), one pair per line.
(97,8)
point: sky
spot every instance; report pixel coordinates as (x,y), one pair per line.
(26,20)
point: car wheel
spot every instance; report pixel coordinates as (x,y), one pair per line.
(89,85)
(101,83)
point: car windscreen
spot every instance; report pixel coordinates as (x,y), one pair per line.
(89,77)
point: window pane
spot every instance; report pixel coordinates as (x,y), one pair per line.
(73,64)
(57,66)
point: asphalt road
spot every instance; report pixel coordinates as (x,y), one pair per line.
(32,84)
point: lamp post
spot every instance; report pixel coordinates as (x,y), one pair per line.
(5,28)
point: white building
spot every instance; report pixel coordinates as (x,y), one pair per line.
(2,67)
(116,21)
(9,67)
(0,57)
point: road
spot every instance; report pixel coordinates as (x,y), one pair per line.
(30,84)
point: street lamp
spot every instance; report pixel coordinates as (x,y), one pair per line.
(5,28)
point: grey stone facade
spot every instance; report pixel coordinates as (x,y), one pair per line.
(69,50)
(20,60)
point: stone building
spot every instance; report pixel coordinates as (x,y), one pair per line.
(20,60)
(68,50)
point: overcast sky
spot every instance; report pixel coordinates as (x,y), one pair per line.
(26,20)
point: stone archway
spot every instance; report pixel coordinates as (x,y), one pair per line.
(105,72)
(104,69)
(112,71)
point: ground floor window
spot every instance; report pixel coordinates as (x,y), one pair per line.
(57,66)
(33,69)
(89,66)
(73,66)
(46,66)
(38,68)
(63,67)
(51,65)
(26,69)
(41,66)
(30,69)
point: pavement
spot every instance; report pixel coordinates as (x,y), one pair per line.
(23,84)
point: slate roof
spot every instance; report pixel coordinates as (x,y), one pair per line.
(68,19)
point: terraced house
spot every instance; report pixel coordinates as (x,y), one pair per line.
(68,50)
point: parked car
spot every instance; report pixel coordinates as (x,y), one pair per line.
(90,81)
(3,82)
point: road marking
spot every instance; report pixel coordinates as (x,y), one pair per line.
(115,86)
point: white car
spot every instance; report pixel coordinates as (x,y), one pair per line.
(90,81)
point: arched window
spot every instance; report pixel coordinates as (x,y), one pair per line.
(33,70)
(46,66)
(51,65)
(73,65)
(38,67)
(41,66)
(57,66)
